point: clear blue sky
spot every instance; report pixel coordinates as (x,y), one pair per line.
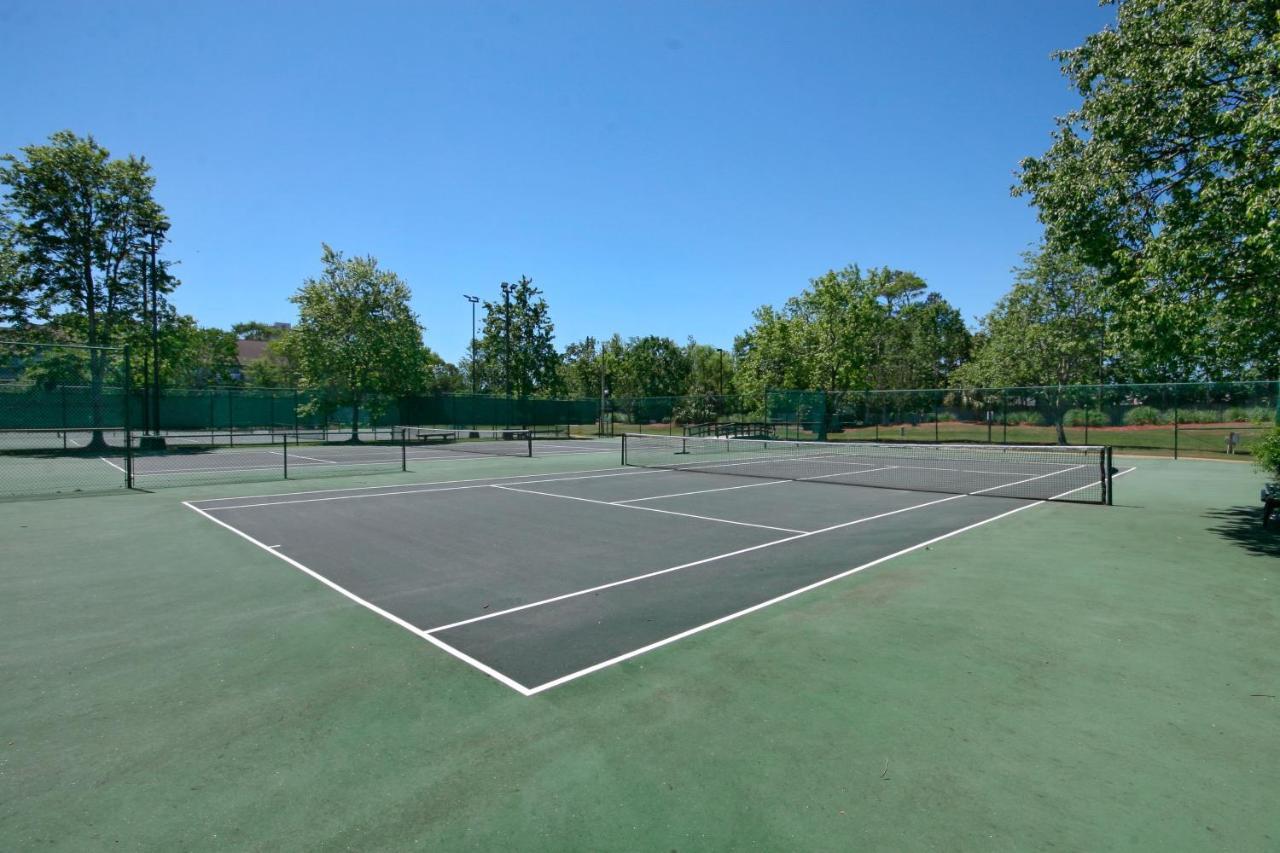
(655,167)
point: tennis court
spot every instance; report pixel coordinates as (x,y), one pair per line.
(537,580)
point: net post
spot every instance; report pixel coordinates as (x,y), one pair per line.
(624,450)
(528,437)
(128,423)
(404,450)
(1110,477)
(284,454)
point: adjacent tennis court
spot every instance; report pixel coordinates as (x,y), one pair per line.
(538,580)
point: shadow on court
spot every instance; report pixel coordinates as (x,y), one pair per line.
(1242,525)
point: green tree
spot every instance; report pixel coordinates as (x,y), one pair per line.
(1046,331)
(516,353)
(828,338)
(13,290)
(1164,179)
(356,335)
(79,224)
(580,366)
(440,376)
(255,330)
(651,366)
(276,367)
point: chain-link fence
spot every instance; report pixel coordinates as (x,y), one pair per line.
(64,419)
(672,415)
(1174,419)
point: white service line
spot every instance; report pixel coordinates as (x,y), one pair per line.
(747,486)
(484,484)
(390,617)
(406,485)
(683,566)
(1028,480)
(649,509)
(312,458)
(556,682)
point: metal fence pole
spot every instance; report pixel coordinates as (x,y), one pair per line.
(128,424)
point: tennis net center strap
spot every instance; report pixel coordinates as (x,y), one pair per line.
(1032,472)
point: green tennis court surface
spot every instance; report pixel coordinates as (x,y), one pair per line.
(714,661)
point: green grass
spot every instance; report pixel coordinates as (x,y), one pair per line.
(1070,678)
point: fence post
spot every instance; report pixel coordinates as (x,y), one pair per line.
(284,454)
(128,423)
(1004,417)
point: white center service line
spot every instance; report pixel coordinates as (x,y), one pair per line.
(649,509)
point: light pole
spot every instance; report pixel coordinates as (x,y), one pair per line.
(473,300)
(506,319)
(155,337)
(721,373)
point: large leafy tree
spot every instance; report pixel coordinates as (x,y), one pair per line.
(1166,179)
(580,366)
(828,338)
(516,353)
(651,366)
(356,335)
(78,225)
(1047,331)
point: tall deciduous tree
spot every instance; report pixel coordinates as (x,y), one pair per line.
(79,224)
(356,334)
(1046,331)
(1166,179)
(517,354)
(827,338)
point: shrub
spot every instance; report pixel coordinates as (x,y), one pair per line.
(1144,416)
(1266,453)
(1026,419)
(1083,417)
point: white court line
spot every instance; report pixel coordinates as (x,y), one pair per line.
(649,509)
(747,486)
(415,485)
(1030,479)
(480,485)
(804,535)
(556,682)
(312,458)
(683,566)
(702,491)
(114,465)
(390,617)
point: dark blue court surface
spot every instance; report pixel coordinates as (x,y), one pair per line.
(540,579)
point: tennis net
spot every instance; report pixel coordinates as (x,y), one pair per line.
(1040,472)
(490,442)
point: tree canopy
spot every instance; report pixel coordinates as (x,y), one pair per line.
(356,334)
(516,353)
(1166,180)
